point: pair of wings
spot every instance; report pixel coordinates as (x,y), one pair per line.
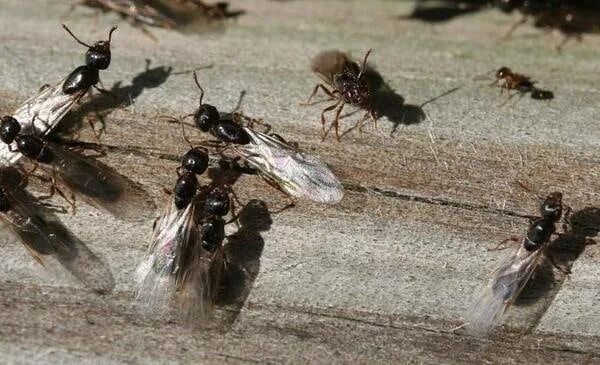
(46,237)
(98,184)
(503,289)
(299,174)
(39,115)
(175,268)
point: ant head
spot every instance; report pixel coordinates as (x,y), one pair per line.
(503,72)
(195,160)
(207,115)
(98,54)
(552,206)
(9,129)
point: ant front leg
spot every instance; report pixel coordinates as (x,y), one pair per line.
(514,27)
(336,121)
(314,93)
(291,201)
(513,239)
(563,269)
(324,121)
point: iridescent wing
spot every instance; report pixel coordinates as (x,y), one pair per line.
(299,174)
(155,275)
(45,110)
(503,289)
(44,236)
(99,185)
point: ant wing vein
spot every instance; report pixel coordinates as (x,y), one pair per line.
(503,289)
(155,274)
(44,235)
(98,184)
(176,267)
(299,174)
(45,109)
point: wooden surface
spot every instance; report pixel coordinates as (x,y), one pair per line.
(386,275)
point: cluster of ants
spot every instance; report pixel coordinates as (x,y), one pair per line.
(186,258)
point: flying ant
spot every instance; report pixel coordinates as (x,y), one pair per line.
(281,164)
(346,83)
(516,270)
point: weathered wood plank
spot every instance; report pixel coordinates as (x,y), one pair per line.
(389,272)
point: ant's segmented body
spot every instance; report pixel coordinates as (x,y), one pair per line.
(510,279)
(282,165)
(347,84)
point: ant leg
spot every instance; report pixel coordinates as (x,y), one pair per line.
(314,93)
(26,175)
(566,218)
(565,270)
(96,133)
(514,239)
(514,27)
(291,202)
(336,121)
(324,121)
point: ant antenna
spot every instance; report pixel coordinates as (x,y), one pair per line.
(77,39)
(110,32)
(185,138)
(364,63)
(199,87)
(484,76)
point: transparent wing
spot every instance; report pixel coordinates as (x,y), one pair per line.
(44,235)
(48,107)
(328,63)
(138,10)
(156,274)
(100,185)
(299,174)
(503,289)
(198,282)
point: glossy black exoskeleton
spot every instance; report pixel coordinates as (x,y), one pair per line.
(193,163)
(542,228)
(185,189)
(98,54)
(195,160)
(212,233)
(34,147)
(205,117)
(229,131)
(97,58)
(9,129)
(217,202)
(82,78)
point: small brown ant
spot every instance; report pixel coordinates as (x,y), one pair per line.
(508,80)
(347,85)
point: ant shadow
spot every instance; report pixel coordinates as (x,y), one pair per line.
(243,251)
(564,250)
(118,96)
(443,12)
(244,247)
(61,244)
(386,102)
